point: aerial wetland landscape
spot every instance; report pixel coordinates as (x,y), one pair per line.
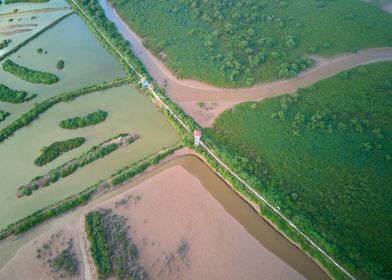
(195,139)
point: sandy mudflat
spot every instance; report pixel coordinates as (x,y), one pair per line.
(163,212)
(26,266)
(174,206)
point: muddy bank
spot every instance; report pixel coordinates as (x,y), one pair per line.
(188,93)
(267,243)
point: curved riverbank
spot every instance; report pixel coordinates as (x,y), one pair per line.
(189,93)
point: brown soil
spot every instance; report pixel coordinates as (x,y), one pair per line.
(28,263)
(167,210)
(174,208)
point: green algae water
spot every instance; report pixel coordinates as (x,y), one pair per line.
(129,111)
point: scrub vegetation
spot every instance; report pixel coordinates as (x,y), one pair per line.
(323,155)
(5,43)
(32,76)
(14,96)
(60,64)
(56,149)
(111,248)
(3,115)
(239,43)
(91,119)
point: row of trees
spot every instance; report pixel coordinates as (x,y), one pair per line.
(88,120)
(32,76)
(56,149)
(14,96)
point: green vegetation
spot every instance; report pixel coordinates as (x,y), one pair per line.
(24,1)
(28,117)
(46,213)
(56,149)
(13,96)
(40,50)
(32,76)
(60,64)
(71,166)
(5,43)
(76,200)
(112,250)
(3,115)
(91,119)
(323,155)
(237,43)
(65,263)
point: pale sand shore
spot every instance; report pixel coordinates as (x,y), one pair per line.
(162,211)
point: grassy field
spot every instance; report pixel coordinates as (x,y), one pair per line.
(323,155)
(237,43)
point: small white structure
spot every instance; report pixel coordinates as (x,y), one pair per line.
(197,135)
(144,83)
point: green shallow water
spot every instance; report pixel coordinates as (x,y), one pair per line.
(129,111)
(86,63)
(31,6)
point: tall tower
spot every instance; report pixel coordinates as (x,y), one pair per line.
(197,135)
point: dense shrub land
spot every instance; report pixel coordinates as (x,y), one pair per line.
(56,149)
(32,76)
(3,115)
(236,43)
(111,248)
(71,166)
(324,156)
(14,96)
(38,109)
(91,119)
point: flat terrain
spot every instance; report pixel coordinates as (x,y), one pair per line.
(323,155)
(234,44)
(26,264)
(84,59)
(217,246)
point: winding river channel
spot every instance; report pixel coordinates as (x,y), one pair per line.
(187,93)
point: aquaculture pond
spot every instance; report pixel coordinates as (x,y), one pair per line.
(128,111)
(86,62)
